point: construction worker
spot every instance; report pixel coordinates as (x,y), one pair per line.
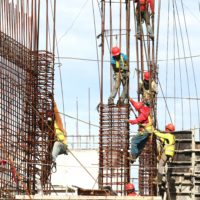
(120,74)
(130,190)
(145,123)
(144,89)
(142,14)
(60,145)
(168,141)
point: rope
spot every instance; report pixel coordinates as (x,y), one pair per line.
(186,66)
(132,61)
(60,74)
(180,71)
(95,31)
(166,84)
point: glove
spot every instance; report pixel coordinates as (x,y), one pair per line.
(125,120)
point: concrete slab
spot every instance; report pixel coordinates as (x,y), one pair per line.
(64,197)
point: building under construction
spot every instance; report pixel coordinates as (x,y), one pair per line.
(27,96)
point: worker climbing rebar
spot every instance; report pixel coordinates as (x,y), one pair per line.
(145,123)
(120,75)
(60,145)
(146,89)
(143,14)
(167,151)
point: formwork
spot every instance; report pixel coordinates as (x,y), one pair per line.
(26,89)
(114,169)
(183,172)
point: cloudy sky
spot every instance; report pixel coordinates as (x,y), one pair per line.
(77,40)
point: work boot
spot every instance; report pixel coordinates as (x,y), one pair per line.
(120,101)
(131,158)
(110,101)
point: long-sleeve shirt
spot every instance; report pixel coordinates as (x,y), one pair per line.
(144,119)
(169,142)
(144,4)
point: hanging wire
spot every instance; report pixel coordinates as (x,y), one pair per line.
(59,66)
(180,73)
(186,66)
(188,41)
(174,63)
(167,52)
(95,32)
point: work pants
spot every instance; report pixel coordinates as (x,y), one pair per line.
(58,149)
(118,79)
(161,165)
(143,16)
(138,143)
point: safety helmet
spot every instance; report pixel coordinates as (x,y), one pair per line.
(146,76)
(138,105)
(170,127)
(115,51)
(129,186)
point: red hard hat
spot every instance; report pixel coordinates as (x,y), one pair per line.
(170,127)
(146,76)
(129,186)
(115,51)
(138,105)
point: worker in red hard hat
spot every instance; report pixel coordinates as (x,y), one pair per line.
(148,93)
(120,75)
(130,190)
(143,14)
(145,122)
(167,139)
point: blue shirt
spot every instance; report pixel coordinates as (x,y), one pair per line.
(122,62)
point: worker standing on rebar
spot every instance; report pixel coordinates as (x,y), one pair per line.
(142,14)
(60,145)
(145,122)
(148,93)
(130,190)
(120,75)
(168,141)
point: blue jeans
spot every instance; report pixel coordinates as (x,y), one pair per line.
(138,142)
(58,148)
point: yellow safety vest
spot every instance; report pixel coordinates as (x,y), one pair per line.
(118,64)
(149,126)
(169,142)
(60,136)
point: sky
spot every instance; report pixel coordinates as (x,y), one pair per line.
(77,39)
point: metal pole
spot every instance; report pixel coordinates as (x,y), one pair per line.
(77,131)
(89,114)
